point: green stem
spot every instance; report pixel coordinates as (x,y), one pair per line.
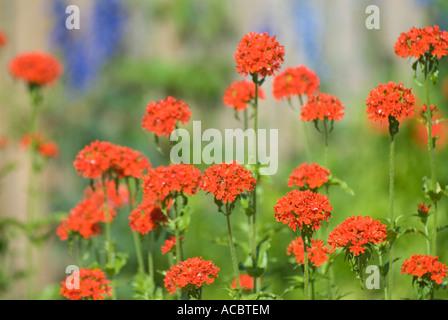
(306,271)
(177,231)
(137,239)
(326,141)
(305,134)
(232,247)
(150,258)
(391,211)
(361,278)
(254,203)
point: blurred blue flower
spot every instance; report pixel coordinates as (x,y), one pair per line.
(86,50)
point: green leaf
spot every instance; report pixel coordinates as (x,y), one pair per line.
(442,228)
(114,268)
(338,182)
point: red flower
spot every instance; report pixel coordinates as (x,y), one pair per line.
(3,39)
(322,106)
(239,93)
(423,209)
(160,183)
(85,218)
(100,158)
(170,244)
(426,267)
(417,42)
(258,53)
(145,218)
(246,282)
(356,233)
(439,129)
(300,209)
(48,149)
(226,181)
(36,68)
(190,274)
(390,99)
(93,285)
(309,176)
(3,142)
(317,254)
(296,81)
(163,116)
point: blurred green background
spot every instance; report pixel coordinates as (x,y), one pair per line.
(128,53)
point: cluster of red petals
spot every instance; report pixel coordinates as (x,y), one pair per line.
(390,99)
(161,117)
(296,81)
(193,271)
(170,244)
(317,254)
(92,285)
(48,149)
(300,209)
(246,282)
(101,157)
(3,142)
(423,266)
(417,42)
(322,106)
(146,217)
(3,39)
(159,183)
(85,218)
(239,93)
(226,181)
(356,232)
(310,176)
(423,209)
(258,53)
(36,68)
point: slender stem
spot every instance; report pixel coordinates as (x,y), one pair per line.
(232,248)
(305,134)
(391,211)
(150,258)
(254,203)
(137,239)
(108,245)
(428,242)
(326,141)
(306,270)
(361,277)
(431,158)
(177,231)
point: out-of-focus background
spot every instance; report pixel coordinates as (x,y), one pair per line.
(128,53)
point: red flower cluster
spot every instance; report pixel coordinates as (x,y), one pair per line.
(226,181)
(390,99)
(303,208)
(170,244)
(3,39)
(162,117)
(423,209)
(146,217)
(310,176)
(85,218)
(417,42)
(3,142)
(426,267)
(258,53)
(295,81)
(190,274)
(92,285)
(357,232)
(48,149)
(159,183)
(317,254)
(36,68)
(246,282)
(101,157)
(239,93)
(322,106)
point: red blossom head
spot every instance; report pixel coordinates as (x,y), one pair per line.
(3,39)
(226,181)
(296,81)
(317,254)
(418,42)
(93,285)
(240,93)
(189,275)
(170,244)
(390,100)
(357,233)
(322,106)
(309,176)
(47,149)
(246,282)
(258,54)
(36,68)
(160,183)
(145,218)
(425,267)
(3,142)
(423,209)
(304,210)
(162,117)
